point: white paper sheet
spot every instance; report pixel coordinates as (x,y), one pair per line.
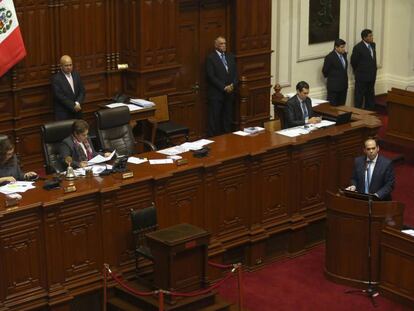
(100,159)
(135,160)
(18,186)
(161,161)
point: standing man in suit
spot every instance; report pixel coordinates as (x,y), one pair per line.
(364,64)
(335,69)
(299,108)
(222,82)
(68,91)
(373,173)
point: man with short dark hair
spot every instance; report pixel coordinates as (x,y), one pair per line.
(68,91)
(335,70)
(373,173)
(364,64)
(221,82)
(299,108)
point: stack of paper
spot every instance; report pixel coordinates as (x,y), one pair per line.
(130,106)
(142,102)
(408,231)
(18,186)
(253,129)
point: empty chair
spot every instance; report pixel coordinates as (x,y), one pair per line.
(166,129)
(52,135)
(143,221)
(114,131)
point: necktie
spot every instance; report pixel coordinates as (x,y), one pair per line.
(305,111)
(223,59)
(368,176)
(371,50)
(343,61)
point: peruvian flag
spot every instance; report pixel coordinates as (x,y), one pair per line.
(12,48)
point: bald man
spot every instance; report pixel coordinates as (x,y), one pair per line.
(68,91)
(222,83)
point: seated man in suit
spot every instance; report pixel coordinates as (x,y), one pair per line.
(68,91)
(10,170)
(78,146)
(373,173)
(299,108)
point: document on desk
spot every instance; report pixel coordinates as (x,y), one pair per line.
(196,145)
(135,160)
(96,169)
(241,133)
(408,231)
(134,107)
(173,150)
(18,186)
(142,102)
(323,123)
(100,159)
(294,131)
(114,105)
(161,161)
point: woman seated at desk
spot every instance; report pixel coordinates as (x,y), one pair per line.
(10,170)
(78,146)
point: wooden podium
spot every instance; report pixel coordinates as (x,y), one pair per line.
(400,106)
(347,237)
(180,257)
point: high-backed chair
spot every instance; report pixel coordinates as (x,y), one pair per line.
(52,135)
(114,131)
(166,129)
(143,221)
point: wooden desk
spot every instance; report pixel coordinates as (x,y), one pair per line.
(397,266)
(400,106)
(253,194)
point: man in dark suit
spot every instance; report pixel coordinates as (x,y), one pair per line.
(299,108)
(68,91)
(335,69)
(364,64)
(373,173)
(222,82)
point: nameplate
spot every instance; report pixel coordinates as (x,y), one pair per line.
(69,189)
(127,175)
(181,162)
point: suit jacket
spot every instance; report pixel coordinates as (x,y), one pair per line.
(64,98)
(293,112)
(382,179)
(68,148)
(218,77)
(363,64)
(334,71)
(12,168)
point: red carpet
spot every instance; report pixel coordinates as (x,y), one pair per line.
(299,284)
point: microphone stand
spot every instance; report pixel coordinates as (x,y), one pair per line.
(371,291)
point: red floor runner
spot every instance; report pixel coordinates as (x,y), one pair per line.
(299,285)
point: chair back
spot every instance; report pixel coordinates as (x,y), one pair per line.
(143,221)
(161,108)
(53,133)
(114,131)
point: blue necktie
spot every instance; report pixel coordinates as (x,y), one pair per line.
(223,59)
(343,61)
(371,50)
(368,176)
(304,110)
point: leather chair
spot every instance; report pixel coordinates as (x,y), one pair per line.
(52,135)
(143,221)
(166,129)
(115,133)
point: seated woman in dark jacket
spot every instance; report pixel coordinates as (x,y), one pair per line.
(9,167)
(78,146)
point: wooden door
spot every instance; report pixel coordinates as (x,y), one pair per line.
(199,23)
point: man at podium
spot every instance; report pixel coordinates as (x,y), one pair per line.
(373,173)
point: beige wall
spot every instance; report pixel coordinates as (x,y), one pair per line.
(293,59)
